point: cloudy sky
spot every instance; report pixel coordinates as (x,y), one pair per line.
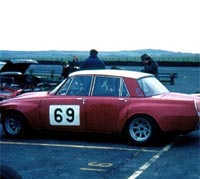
(107,25)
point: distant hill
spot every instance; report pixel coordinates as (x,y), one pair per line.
(112,56)
(158,52)
(55,53)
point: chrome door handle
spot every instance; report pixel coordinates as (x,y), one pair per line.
(123,99)
(81,99)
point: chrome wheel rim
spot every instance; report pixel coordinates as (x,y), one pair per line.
(140,129)
(12,125)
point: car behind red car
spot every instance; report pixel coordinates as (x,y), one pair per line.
(14,81)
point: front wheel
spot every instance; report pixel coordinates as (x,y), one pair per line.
(141,130)
(14,124)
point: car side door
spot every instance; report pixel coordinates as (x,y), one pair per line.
(107,104)
(65,110)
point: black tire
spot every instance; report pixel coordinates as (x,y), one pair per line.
(8,173)
(14,124)
(141,130)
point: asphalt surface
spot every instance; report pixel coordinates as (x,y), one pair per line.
(101,157)
(78,156)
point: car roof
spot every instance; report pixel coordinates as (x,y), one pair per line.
(19,65)
(112,72)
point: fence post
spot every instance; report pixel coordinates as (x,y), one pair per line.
(52,73)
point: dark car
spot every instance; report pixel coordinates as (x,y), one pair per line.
(13,77)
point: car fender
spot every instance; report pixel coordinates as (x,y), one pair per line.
(133,111)
(29,110)
(166,114)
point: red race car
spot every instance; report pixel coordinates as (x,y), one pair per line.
(103,101)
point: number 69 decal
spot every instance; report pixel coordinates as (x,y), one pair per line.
(64,115)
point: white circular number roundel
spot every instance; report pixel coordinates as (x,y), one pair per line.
(64,115)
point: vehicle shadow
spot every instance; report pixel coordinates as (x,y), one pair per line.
(102,139)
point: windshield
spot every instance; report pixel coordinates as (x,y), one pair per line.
(57,88)
(151,86)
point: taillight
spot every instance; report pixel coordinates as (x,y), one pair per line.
(197,106)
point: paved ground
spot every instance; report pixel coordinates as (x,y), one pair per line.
(101,157)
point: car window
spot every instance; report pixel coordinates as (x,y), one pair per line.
(80,86)
(64,87)
(106,86)
(151,86)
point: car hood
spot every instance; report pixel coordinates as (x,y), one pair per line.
(29,95)
(38,94)
(18,65)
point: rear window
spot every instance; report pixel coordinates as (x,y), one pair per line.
(152,86)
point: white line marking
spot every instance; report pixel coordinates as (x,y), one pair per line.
(93,169)
(76,146)
(152,160)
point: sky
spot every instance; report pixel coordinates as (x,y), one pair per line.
(105,25)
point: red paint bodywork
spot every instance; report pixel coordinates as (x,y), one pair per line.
(171,111)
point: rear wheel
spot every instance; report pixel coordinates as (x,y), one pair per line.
(141,130)
(14,124)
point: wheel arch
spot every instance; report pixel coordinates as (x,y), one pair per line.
(21,127)
(144,135)
(139,115)
(9,111)
(25,115)
(5,113)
